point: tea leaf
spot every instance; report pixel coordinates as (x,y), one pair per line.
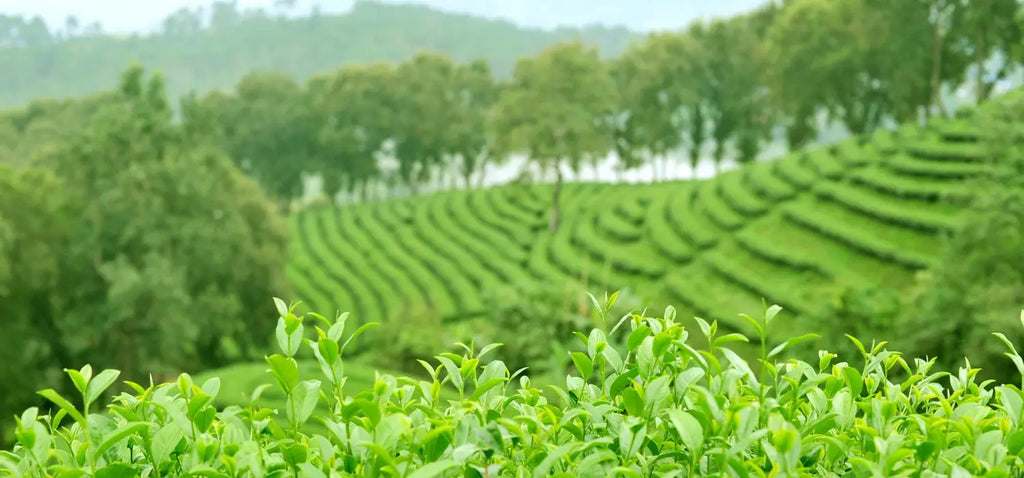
(118,470)
(583,364)
(432,470)
(122,432)
(285,370)
(303,400)
(688,428)
(164,442)
(100,384)
(52,395)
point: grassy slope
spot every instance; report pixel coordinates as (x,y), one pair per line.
(794,231)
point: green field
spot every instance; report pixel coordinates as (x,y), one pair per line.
(792,231)
(795,231)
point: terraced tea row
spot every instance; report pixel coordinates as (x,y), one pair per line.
(794,231)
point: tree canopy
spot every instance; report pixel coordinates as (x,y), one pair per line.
(127,244)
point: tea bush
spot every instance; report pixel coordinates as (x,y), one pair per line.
(656,406)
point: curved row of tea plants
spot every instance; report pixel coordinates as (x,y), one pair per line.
(866,211)
(640,401)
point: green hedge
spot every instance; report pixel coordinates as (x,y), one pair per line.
(854,154)
(921,188)
(366,284)
(344,232)
(793,171)
(778,239)
(688,222)
(710,295)
(631,205)
(936,150)
(664,238)
(761,177)
(710,203)
(481,204)
(634,259)
(314,246)
(824,162)
(956,129)
(911,166)
(435,231)
(494,238)
(885,142)
(907,213)
(740,197)
(612,223)
(860,238)
(411,281)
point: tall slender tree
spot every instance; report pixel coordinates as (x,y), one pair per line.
(553,109)
(353,108)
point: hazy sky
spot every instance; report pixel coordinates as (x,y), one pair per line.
(134,15)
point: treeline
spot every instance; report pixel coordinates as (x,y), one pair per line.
(203,48)
(724,85)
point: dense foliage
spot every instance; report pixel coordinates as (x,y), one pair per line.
(979,277)
(642,401)
(135,238)
(115,251)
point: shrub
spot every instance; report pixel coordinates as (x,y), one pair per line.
(418,332)
(653,407)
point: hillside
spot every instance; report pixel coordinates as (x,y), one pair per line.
(796,231)
(194,56)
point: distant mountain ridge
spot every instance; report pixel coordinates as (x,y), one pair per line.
(201,58)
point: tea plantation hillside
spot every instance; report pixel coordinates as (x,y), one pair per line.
(795,231)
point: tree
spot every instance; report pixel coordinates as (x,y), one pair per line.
(353,108)
(987,27)
(169,251)
(423,139)
(735,95)
(648,124)
(750,94)
(267,128)
(32,235)
(823,56)
(688,70)
(475,92)
(553,110)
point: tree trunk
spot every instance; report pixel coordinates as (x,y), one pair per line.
(481,178)
(557,191)
(979,63)
(936,79)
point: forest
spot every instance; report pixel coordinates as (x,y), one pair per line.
(806,315)
(214,46)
